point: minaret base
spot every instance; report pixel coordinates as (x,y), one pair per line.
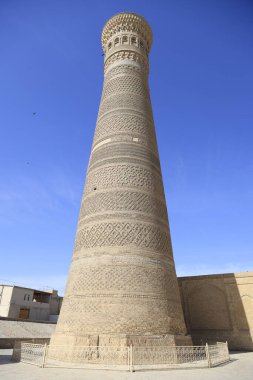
(120,340)
(113,349)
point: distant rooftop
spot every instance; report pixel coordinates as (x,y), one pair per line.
(49,291)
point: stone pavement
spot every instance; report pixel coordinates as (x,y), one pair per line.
(240,368)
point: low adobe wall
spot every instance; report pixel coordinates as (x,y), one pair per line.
(16,330)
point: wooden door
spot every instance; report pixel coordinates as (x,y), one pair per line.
(24,313)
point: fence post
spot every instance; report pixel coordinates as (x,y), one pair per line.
(208,356)
(44,356)
(227,350)
(131,367)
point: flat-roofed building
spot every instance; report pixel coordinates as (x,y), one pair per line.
(26,303)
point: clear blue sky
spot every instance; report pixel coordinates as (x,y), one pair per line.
(202,94)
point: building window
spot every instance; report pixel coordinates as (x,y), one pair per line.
(42,297)
(141,45)
(124,40)
(109,45)
(116,42)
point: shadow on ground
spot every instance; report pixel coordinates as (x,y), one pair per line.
(5,359)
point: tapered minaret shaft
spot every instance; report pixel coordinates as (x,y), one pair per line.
(122,284)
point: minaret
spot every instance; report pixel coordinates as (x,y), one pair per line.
(122,286)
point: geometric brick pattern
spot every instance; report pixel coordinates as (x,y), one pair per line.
(123,175)
(127,83)
(91,278)
(125,149)
(123,200)
(124,70)
(121,234)
(125,101)
(123,123)
(122,280)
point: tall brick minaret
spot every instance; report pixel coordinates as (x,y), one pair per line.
(122,287)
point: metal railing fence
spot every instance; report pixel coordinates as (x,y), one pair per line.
(218,354)
(131,358)
(169,357)
(99,357)
(32,353)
